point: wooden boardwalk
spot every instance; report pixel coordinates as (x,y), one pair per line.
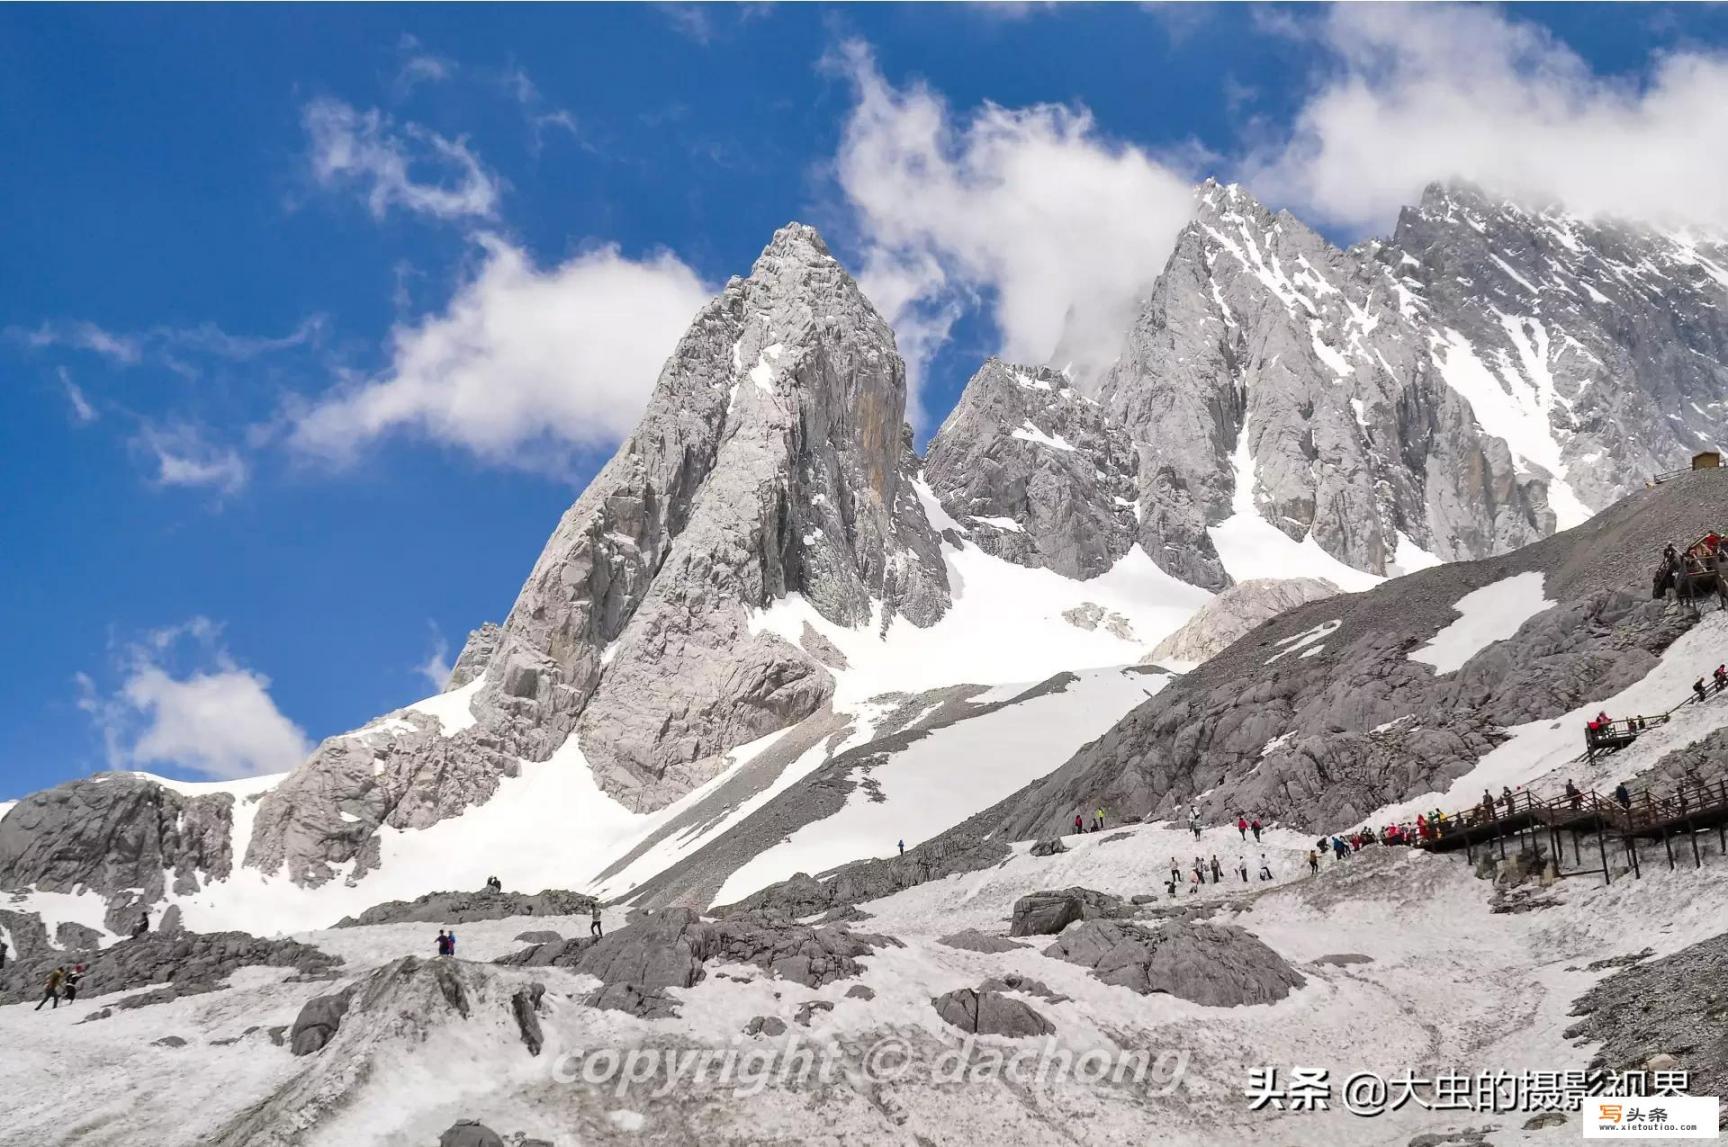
(1693,806)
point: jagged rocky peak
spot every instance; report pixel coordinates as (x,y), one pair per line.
(1607,340)
(1036,472)
(773,459)
(1272,375)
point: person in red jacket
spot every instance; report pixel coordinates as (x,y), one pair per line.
(1242,825)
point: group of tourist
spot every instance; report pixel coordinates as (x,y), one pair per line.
(1201,867)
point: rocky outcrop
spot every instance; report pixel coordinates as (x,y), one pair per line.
(1036,472)
(466,907)
(525,1007)
(118,834)
(187,963)
(1235,612)
(990,1013)
(1216,965)
(773,459)
(668,948)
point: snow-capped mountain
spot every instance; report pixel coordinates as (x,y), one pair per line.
(764,594)
(1485,376)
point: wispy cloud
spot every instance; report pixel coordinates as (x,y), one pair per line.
(183,701)
(167,345)
(415,66)
(83,413)
(182,455)
(436,668)
(392,166)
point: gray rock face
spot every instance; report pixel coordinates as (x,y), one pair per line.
(466,907)
(1216,965)
(990,1013)
(539,936)
(1274,374)
(118,834)
(773,459)
(1047,913)
(1237,611)
(1049,847)
(1036,472)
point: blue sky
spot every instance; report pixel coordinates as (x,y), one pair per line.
(312,321)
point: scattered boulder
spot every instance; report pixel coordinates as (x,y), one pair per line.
(169,1041)
(541,936)
(1047,913)
(1544,1120)
(98,1014)
(860,992)
(1049,847)
(973,940)
(470,1133)
(169,924)
(1340,959)
(807,1011)
(1662,1061)
(990,1013)
(1219,965)
(765,1025)
(525,1006)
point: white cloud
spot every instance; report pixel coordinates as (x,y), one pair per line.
(436,668)
(83,413)
(521,357)
(182,456)
(409,167)
(217,719)
(1412,94)
(417,66)
(1058,227)
(123,349)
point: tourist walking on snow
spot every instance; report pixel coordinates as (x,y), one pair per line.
(1242,869)
(1254,826)
(1079,823)
(1242,826)
(70,985)
(1623,795)
(1175,871)
(594,928)
(1313,862)
(1573,796)
(1217,869)
(1265,868)
(1098,825)
(443,942)
(51,990)
(1698,689)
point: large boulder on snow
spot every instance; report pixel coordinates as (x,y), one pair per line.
(990,1013)
(470,1133)
(972,940)
(317,1023)
(1047,913)
(1218,965)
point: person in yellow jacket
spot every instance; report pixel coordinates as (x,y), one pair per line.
(52,989)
